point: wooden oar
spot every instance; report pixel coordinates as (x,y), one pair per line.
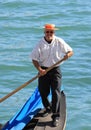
(26,83)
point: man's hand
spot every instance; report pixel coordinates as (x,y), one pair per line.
(38,67)
(69,54)
(42,71)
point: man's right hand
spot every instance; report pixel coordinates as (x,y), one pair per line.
(42,71)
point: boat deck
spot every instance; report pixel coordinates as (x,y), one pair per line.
(45,123)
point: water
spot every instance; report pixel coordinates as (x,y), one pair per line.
(21,23)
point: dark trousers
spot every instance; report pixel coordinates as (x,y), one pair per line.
(52,80)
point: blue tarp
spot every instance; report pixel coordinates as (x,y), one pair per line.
(27,112)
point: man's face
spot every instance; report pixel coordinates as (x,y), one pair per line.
(49,34)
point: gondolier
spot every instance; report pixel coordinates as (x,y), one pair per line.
(48,51)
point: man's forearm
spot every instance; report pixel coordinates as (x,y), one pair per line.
(36,64)
(68,55)
(38,67)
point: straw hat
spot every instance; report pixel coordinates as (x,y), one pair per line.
(50,27)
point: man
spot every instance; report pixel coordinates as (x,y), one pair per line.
(48,51)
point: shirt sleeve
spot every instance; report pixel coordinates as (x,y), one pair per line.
(35,53)
(65,47)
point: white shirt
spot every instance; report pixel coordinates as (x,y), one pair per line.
(48,54)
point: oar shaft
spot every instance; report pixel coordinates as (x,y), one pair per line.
(26,83)
(19,88)
(54,65)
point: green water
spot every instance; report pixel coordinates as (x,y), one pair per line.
(21,23)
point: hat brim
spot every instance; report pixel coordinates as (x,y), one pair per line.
(50,28)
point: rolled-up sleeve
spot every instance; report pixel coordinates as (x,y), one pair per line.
(65,47)
(35,54)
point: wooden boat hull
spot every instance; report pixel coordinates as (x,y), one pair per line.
(28,118)
(45,123)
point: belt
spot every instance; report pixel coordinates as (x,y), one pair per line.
(43,67)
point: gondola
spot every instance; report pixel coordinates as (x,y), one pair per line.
(29,116)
